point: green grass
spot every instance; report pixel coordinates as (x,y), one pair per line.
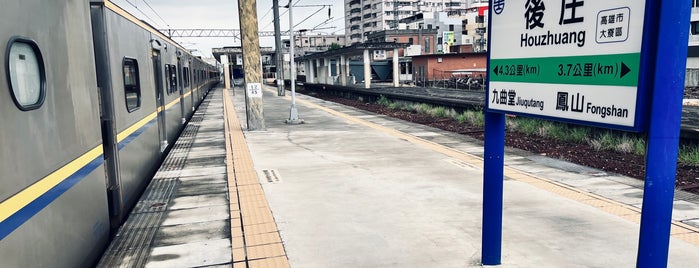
(383,101)
(689,155)
(461,118)
(578,134)
(395,106)
(476,118)
(598,139)
(438,112)
(528,126)
(640,146)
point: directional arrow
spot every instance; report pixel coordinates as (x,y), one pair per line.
(624,70)
(496,70)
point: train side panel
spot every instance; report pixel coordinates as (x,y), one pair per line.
(136,120)
(187,103)
(171,93)
(53,208)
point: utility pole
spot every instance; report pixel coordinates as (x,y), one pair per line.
(252,66)
(280,52)
(293,112)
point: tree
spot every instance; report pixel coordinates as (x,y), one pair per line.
(334,46)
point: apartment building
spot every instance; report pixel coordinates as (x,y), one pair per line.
(692,78)
(366,16)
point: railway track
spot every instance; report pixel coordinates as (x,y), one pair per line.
(462,99)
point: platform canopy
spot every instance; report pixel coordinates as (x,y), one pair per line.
(355,49)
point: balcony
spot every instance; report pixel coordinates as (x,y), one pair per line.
(694,39)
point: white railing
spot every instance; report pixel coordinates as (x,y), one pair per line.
(693,40)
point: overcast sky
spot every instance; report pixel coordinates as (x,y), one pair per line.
(223,14)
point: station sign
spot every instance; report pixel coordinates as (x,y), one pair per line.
(569,60)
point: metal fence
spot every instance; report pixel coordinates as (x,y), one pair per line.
(445,79)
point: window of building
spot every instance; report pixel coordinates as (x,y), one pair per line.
(694,27)
(25,69)
(411,41)
(427,44)
(451,27)
(429,26)
(132,84)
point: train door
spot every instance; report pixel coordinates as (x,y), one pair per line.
(107,97)
(159,98)
(181,88)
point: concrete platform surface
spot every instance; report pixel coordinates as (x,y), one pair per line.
(353,189)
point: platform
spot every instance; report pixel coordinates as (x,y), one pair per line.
(349,188)
(356,189)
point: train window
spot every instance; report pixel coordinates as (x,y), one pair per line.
(173,78)
(185,76)
(168,85)
(25,71)
(132,85)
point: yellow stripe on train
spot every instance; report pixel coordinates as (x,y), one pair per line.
(31,193)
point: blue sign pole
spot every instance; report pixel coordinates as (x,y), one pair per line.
(663,136)
(493,166)
(494,144)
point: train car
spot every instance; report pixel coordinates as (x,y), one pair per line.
(53,203)
(142,78)
(89,115)
(131,83)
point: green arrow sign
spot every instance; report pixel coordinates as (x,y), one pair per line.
(612,70)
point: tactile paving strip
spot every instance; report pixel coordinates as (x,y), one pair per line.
(256,239)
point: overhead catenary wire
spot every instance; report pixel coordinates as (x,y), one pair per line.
(265,15)
(308,17)
(282,14)
(143,13)
(328,21)
(270,23)
(156,13)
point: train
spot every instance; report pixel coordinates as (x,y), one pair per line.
(91,100)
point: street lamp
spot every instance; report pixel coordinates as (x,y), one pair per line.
(293,112)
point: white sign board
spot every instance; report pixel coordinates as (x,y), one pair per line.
(571,59)
(254,90)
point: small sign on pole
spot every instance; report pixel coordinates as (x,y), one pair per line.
(254,90)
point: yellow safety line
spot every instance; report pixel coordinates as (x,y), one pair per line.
(133,128)
(176,101)
(680,230)
(255,237)
(31,193)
